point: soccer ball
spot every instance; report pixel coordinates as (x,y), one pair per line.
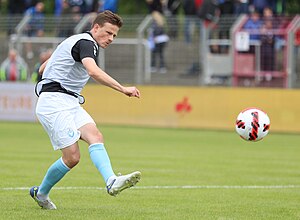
(252,124)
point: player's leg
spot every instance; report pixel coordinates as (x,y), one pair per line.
(70,157)
(91,135)
(62,131)
(115,184)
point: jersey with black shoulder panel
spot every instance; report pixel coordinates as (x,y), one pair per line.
(65,66)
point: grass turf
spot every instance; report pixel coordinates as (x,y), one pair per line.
(232,178)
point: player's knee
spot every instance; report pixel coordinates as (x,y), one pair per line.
(72,160)
(98,136)
(91,134)
(75,159)
(95,137)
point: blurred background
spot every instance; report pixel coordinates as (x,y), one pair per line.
(183,43)
(198,42)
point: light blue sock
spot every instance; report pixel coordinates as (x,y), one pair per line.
(101,160)
(54,174)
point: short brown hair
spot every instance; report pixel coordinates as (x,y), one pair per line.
(108,17)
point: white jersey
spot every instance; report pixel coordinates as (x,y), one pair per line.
(65,66)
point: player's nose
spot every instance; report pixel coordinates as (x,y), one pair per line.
(111,38)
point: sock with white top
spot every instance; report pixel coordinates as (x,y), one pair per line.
(54,174)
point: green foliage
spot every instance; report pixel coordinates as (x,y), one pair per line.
(166,157)
(293,7)
(3,7)
(49,6)
(132,7)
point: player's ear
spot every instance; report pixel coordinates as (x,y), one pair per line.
(98,26)
(95,26)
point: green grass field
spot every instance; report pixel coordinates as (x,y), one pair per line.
(186,174)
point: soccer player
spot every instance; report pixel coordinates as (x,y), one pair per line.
(58,108)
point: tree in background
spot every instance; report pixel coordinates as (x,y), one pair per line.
(292,7)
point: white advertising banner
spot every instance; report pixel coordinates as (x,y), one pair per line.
(17,101)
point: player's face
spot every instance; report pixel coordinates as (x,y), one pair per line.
(105,34)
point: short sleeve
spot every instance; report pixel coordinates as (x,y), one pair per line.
(84,48)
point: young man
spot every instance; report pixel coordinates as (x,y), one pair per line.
(58,108)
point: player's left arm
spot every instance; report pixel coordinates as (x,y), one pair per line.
(102,77)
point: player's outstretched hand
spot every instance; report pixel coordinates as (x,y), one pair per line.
(132,91)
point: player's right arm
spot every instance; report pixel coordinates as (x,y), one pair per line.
(42,67)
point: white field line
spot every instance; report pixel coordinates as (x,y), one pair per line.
(166,187)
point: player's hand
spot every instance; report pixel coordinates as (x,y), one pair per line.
(132,91)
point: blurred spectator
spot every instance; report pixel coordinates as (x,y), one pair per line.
(189,9)
(111,5)
(297,43)
(268,39)
(158,40)
(170,10)
(58,7)
(87,6)
(91,6)
(277,6)
(269,15)
(157,37)
(12,12)
(44,55)
(253,26)
(277,23)
(226,7)
(297,38)
(77,3)
(35,27)
(241,7)
(214,47)
(30,3)
(198,3)
(259,5)
(191,23)
(155,5)
(13,68)
(271,43)
(68,19)
(208,10)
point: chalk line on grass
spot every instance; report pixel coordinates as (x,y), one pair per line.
(167,187)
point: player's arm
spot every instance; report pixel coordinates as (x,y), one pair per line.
(102,77)
(42,67)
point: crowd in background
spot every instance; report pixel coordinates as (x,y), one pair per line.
(164,26)
(14,67)
(84,6)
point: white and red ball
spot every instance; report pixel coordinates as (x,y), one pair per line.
(252,124)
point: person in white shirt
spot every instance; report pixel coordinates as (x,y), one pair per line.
(58,108)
